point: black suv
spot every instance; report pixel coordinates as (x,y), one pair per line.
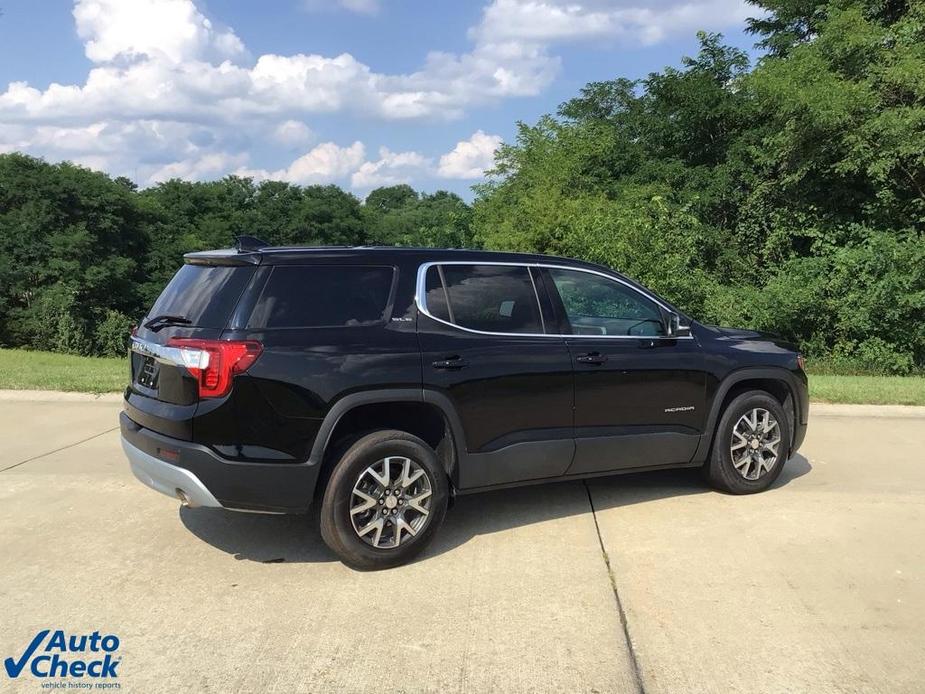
(382,381)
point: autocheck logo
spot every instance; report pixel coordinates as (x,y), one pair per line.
(56,654)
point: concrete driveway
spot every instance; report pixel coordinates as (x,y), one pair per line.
(638,583)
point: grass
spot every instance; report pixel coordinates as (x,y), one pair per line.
(24,370)
(870,390)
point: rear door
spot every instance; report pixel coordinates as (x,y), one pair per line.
(484,344)
(196,303)
(639,394)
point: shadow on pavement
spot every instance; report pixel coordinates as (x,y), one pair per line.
(258,537)
(278,539)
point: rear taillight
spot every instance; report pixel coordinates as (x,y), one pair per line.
(801,362)
(215,363)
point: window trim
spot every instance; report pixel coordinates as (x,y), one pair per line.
(420,293)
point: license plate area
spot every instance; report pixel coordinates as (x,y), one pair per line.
(148,373)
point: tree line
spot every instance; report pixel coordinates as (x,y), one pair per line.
(82,255)
(788,196)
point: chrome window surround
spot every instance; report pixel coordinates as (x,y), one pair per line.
(420,293)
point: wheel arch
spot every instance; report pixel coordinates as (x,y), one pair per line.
(777,381)
(421,412)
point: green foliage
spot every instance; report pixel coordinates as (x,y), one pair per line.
(70,240)
(789,197)
(398,216)
(111,335)
(54,321)
(82,255)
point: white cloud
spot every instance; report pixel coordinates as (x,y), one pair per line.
(172,93)
(172,30)
(325,163)
(139,149)
(391,168)
(470,158)
(281,86)
(331,163)
(165,59)
(293,133)
(357,6)
(207,166)
(550,21)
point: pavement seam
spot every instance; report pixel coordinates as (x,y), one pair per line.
(58,450)
(624,623)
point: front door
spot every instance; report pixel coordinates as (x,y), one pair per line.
(639,394)
(485,345)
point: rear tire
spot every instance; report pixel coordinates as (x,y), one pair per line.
(751,445)
(384,502)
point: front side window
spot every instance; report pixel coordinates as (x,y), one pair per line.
(488,298)
(596,305)
(314,296)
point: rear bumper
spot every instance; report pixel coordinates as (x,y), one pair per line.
(168,479)
(206,479)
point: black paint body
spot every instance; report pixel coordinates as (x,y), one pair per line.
(521,408)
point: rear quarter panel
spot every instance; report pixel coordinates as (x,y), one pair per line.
(279,404)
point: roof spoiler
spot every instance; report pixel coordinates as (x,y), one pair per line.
(227,256)
(250,243)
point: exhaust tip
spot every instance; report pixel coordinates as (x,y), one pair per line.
(184,499)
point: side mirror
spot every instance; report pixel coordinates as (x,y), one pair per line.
(674,327)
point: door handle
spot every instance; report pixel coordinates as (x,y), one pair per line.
(594,358)
(451,363)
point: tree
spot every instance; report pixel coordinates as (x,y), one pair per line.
(789,195)
(390,198)
(83,255)
(397,215)
(785,24)
(328,215)
(70,244)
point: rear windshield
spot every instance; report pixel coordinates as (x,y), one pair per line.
(204,294)
(313,296)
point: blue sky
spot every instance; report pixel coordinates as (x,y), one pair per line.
(355,92)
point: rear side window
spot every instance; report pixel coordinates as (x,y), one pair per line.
(203,294)
(489,298)
(319,296)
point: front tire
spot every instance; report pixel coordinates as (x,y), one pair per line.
(385,501)
(751,445)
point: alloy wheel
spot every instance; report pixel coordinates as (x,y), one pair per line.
(755,443)
(390,502)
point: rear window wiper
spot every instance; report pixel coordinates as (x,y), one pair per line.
(164,320)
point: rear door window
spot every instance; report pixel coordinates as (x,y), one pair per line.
(488,298)
(203,294)
(435,294)
(316,296)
